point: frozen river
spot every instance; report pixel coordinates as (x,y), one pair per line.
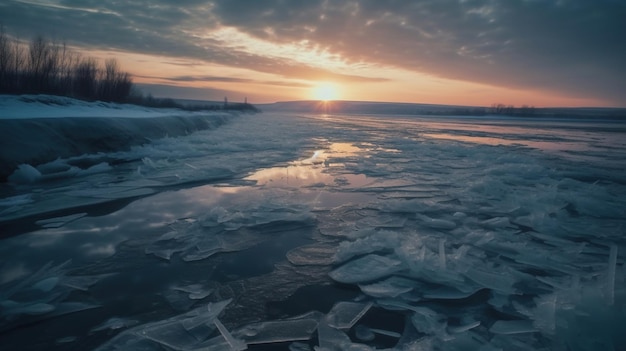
(329,232)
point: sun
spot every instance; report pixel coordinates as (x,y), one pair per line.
(325,91)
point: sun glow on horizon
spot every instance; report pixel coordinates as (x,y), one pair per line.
(325,91)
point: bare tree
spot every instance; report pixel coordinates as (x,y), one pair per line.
(510,110)
(498,109)
(85,74)
(67,61)
(5,59)
(11,61)
(528,111)
(19,64)
(123,86)
(37,52)
(44,66)
(106,89)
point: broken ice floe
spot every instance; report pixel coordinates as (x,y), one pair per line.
(543,292)
(15,203)
(202,329)
(43,295)
(26,173)
(182,297)
(193,330)
(114,323)
(345,314)
(195,291)
(512,327)
(57,222)
(223,230)
(292,329)
(390,287)
(314,254)
(366,268)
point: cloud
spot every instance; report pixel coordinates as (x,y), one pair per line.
(574,47)
(139,26)
(207,79)
(567,45)
(151,27)
(205,94)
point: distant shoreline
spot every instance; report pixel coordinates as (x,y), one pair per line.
(395,108)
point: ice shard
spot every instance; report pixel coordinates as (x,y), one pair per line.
(114,323)
(463,328)
(59,221)
(345,314)
(366,268)
(187,331)
(390,287)
(610,286)
(293,329)
(512,327)
(364,333)
(330,338)
(233,343)
(442,254)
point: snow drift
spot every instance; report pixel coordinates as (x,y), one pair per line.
(39,129)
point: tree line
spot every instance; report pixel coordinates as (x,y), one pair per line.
(510,110)
(151,101)
(47,67)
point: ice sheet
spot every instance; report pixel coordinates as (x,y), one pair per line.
(478,246)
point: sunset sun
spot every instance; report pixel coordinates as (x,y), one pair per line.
(325,92)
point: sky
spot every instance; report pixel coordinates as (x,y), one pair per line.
(542,53)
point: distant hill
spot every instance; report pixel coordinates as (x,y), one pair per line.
(371,107)
(395,108)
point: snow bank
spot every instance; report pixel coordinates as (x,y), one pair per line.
(49,106)
(39,129)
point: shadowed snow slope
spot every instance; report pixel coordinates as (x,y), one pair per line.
(39,129)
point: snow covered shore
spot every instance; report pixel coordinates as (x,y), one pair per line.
(35,129)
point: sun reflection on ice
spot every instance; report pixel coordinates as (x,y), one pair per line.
(312,171)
